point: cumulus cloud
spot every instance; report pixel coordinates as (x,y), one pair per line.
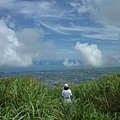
(20,49)
(89,54)
(9,45)
(35,47)
(70,64)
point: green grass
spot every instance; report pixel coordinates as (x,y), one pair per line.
(24,98)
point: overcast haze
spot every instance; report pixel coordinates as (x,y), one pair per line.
(75,32)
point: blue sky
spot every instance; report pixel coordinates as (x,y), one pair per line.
(75,32)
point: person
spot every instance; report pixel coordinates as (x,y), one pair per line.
(66,93)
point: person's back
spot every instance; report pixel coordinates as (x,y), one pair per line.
(66,93)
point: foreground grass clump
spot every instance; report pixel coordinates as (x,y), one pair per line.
(99,99)
(24,98)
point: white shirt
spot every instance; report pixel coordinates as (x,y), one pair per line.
(66,94)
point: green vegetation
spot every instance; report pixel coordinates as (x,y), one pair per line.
(24,98)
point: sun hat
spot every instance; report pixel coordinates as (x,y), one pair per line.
(65,85)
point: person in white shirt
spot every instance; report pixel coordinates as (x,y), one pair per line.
(66,93)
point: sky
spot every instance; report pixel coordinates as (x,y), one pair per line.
(77,33)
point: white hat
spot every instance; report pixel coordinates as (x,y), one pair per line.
(65,85)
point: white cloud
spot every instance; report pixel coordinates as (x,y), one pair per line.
(119,36)
(53,28)
(34,46)
(6,3)
(20,49)
(104,11)
(89,54)
(40,9)
(80,8)
(104,33)
(70,64)
(117,57)
(98,10)
(9,45)
(37,8)
(32,9)
(9,22)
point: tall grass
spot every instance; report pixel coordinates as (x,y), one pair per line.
(99,99)
(24,98)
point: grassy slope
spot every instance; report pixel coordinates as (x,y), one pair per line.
(25,99)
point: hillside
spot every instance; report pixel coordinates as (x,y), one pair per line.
(24,98)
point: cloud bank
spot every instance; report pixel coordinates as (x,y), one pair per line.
(22,48)
(89,54)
